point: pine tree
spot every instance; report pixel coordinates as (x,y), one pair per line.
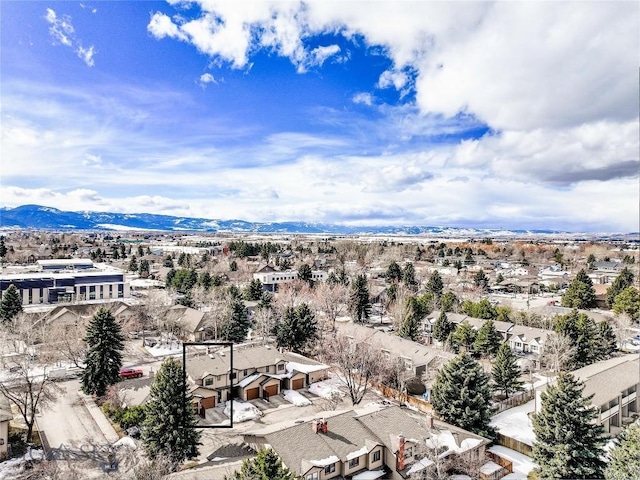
(237,323)
(410,326)
(266,465)
(449,302)
(628,301)
(622,281)
(463,337)
(506,372)
(461,395)
(435,285)
(104,353)
(359,303)
(580,292)
(568,440)
(606,339)
(587,343)
(481,280)
(133,264)
(624,457)
(298,328)
(3,247)
(442,327)
(168,429)
(409,277)
(393,273)
(488,339)
(11,304)
(305,274)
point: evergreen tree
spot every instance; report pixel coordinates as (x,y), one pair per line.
(461,395)
(3,247)
(133,264)
(481,280)
(442,327)
(506,372)
(298,328)
(169,427)
(409,276)
(11,304)
(233,266)
(204,280)
(104,353)
(186,300)
(628,301)
(568,440)
(580,292)
(254,290)
(463,337)
(168,262)
(305,274)
(624,457)
(588,345)
(393,273)
(266,465)
(488,339)
(435,285)
(171,275)
(183,260)
(499,279)
(359,303)
(607,340)
(449,302)
(143,268)
(236,324)
(622,281)
(410,326)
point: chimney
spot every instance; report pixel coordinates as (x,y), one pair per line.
(400,454)
(324,426)
(314,426)
(429,421)
(320,425)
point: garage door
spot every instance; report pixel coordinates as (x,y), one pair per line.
(271,389)
(253,393)
(298,383)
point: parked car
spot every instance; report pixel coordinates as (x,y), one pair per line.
(131,373)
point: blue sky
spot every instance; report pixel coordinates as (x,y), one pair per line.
(504,115)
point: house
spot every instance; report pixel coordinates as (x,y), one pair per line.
(527,339)
(614,384)
(457,318)
(5,417)
(189,321)
(381,442)
(271,278)
(256,372)
(418,359)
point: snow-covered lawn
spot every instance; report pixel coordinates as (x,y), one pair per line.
(294,397)
(515,423)
(164,349)
(522,464)
(325,389)
(242,411)
(12,468)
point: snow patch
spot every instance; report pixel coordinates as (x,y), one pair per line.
(296,398)
(325,461)
(325,390)
(522,464)
(515,423)
(242,411)
(357,453)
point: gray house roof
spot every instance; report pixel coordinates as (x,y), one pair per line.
(608,378)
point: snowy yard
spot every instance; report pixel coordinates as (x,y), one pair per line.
(294,397)
(515,423)
(326,389)
(165,348)
(242,411)
(522,464)
(12,468)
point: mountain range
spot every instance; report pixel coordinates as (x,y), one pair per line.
(47,218)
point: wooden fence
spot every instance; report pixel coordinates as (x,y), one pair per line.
(420,404)
(503,462)
(515,400)
(513,444)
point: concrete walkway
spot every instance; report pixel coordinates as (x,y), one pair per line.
(103,423)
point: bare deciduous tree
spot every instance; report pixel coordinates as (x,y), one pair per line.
(332,301)
(558,352)
(358,362)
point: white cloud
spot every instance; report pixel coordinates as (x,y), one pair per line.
(206,78)
(392,78)
(62,31)
(363,98)
(320,54)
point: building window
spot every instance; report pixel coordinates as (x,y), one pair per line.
(101,291)
(120,290)
(267,368)
(218,377)
(232,375)
(354,462)
(330,469)
(281,367)
(92,292)
(313,476)
(376,456)
(208,381)
(244,372)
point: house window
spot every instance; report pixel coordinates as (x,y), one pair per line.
(518,345)
(330,469)
(218,378)
(313,476)
(376,456)
(267,368)
(232,375)
(354,462)
(244,372)
(281,367)
(208,381)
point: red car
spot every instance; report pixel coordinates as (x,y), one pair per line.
(131,373)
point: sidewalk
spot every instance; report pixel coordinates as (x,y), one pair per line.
(103,423)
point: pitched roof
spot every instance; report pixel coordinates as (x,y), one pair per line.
(608,378)
(188,318)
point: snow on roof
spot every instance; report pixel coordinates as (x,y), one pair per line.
(305,368)
(369,475)
(490,468)
(325,461)
(419,465)
(357,453)
(246,381)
